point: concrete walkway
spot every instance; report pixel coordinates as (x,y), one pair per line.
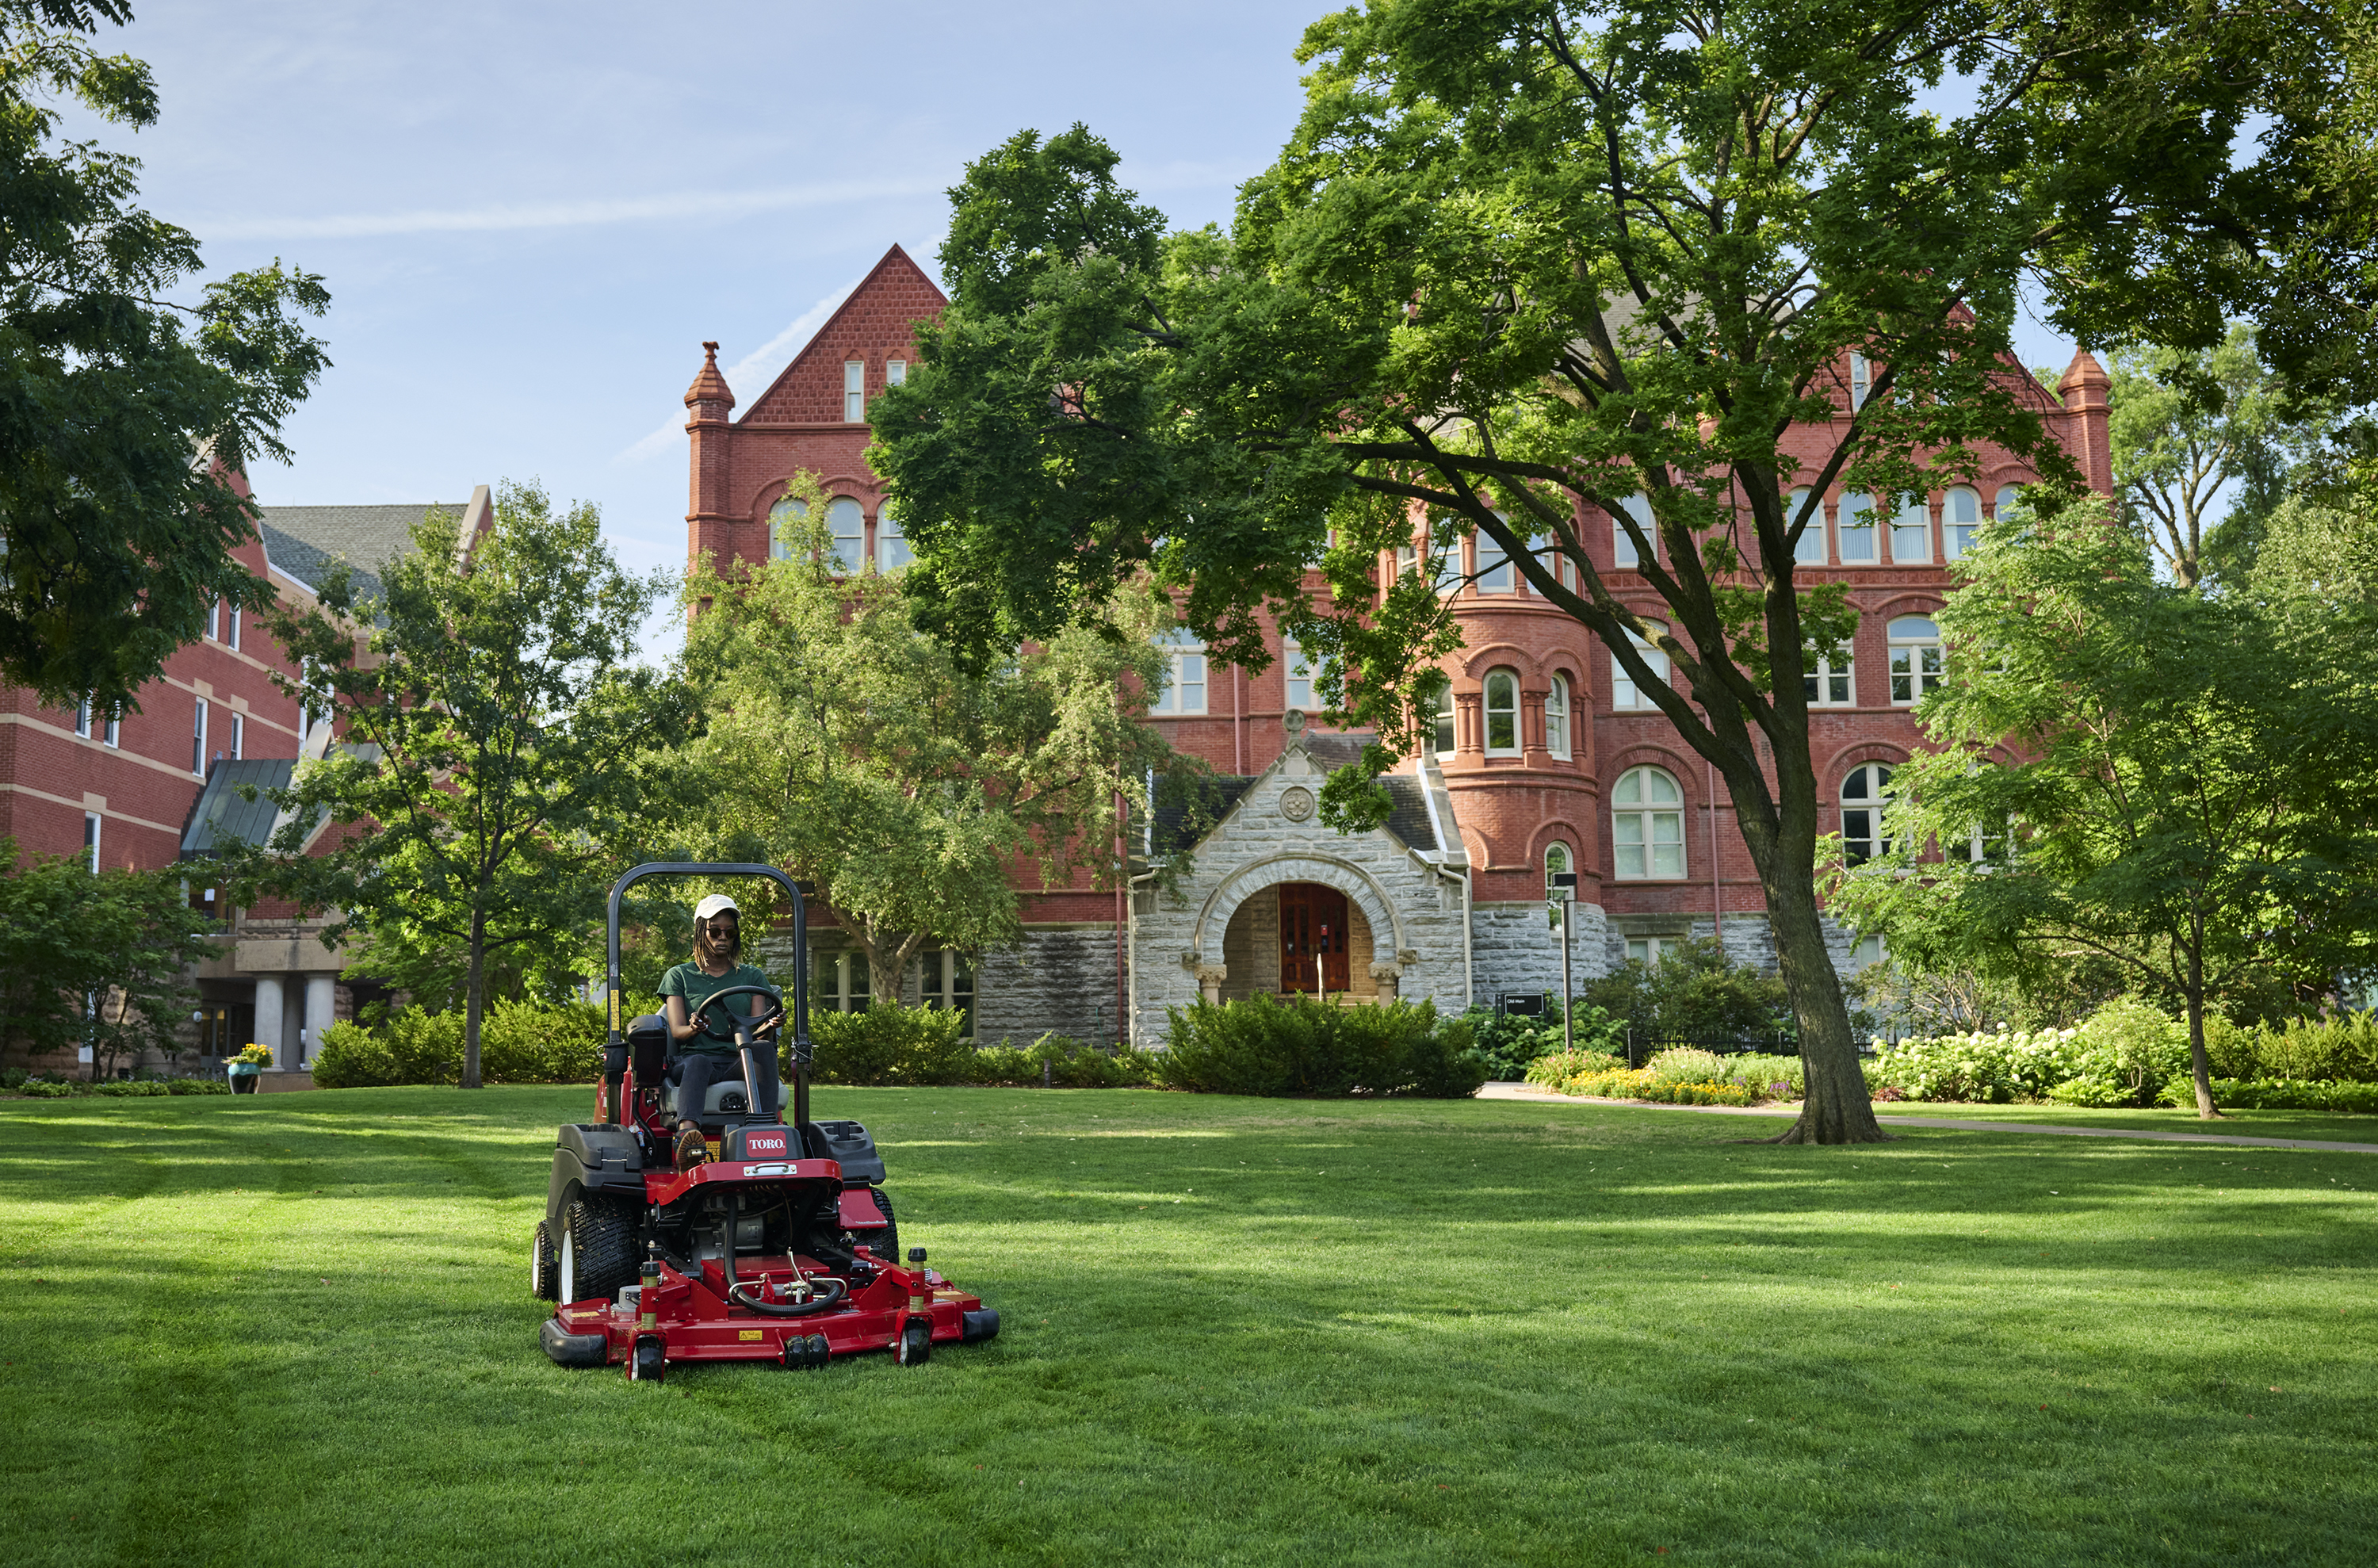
(1953,1124)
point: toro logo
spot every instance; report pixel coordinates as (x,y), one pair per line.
(758,1145)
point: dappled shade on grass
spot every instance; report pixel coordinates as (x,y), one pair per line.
(298,1329)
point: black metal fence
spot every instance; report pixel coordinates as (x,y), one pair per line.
(1641,1046)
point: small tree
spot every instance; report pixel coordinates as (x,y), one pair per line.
(2167,779)
(494,733)
(854,750)
(99,960)
(116,542)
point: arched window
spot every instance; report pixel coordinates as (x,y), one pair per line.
(1810,550)
(1961,519)
(1639,507)
(1502,713)
(1911,532)
(1557,863)
(781,518)
(1624,693)
(1556,718)
(854,391)
(1863,793)
(1856,532)
(892,551)
(848,524)
(1185,676)
(2010,497)
(1914,658)
(1647,826)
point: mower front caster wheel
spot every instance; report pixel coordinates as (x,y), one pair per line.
(805,1350)
(648,1363)
(915,1342)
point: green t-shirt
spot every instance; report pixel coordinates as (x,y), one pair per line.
(714,1037)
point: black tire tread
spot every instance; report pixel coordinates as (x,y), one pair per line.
(603,1239)
(546,1275)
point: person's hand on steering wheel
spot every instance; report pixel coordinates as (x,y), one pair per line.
(766,1025)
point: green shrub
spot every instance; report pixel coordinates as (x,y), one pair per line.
(886,1043)
(1556,1069)
(518,1042)
(1511,1042)
(1983,1067)
(2280,1094)
(41,1089)
(196,1086)
(131,1088)
(1060,1063)
(2128,1051)
(1777,1078)
(352,1057)
(13,1078)
(1622,1082)
(1306,1046)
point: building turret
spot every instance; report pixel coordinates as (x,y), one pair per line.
(708,401)
(2083,389)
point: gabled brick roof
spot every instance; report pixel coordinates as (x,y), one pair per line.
(874,321)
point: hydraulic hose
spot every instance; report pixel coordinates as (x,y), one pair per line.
(744,1295)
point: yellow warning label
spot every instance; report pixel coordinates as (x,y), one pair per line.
(749,1334)
(615,1012)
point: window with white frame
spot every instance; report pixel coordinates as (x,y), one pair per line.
(846,521)
(1647,826)
(1830,678)
(782,518)
(112,732)
(1856,534)
(91,841)
(854,391)
(1407,559)
(1865,950)
(1982,844)
(1639,507)
(199,741)
(82,718)
(1861,380)
(1911,532)
(1810,550)
(1624,693)
(2010,497)
(945,980)
(892,551)
(1502,714)
(1185,676)
(1916,663)
(1864,794)
(896,372)
(1557,863)
(1651,949)
(1961,519)
(1495,573)
(231,625)
(1557,717)
(1450,574)
(839,983)
(214,620)
(238,736)
(1305,678)
(1437,700)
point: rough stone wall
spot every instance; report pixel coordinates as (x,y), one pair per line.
(1514,949)
(1251,950)
(1062,978)
(1749,941)
(1259,846)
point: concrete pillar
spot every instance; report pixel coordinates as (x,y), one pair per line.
(1209,982)
(321,1000)
(269,1006)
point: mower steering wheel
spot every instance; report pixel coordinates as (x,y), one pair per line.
(739,1022)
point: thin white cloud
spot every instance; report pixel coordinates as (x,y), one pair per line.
(748,375)
(561,214)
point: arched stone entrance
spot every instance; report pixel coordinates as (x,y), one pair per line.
(1238,943)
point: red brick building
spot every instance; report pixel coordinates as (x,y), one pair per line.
(1546,757)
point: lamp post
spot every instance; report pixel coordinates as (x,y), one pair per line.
(1562,885)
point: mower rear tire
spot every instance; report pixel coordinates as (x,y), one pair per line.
(544,1267)
(598,1250)
(884,1243)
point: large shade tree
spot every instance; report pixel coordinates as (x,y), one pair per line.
(1522,262)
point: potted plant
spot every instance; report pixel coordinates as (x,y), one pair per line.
(252,1059)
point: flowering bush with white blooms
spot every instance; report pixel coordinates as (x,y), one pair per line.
(1998,1065)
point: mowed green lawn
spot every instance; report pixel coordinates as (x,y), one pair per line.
(297,1329)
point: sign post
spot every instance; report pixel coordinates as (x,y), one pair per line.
(1564,891)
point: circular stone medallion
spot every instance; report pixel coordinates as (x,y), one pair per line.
(1296,802)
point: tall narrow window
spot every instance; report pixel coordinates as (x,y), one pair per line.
(839,982)
(1407,559)
(1832,682)
(1439,702)
(781,520)
(848,524)
(1556,718)
(1502,713)
(1624,693)
(1864,794)
(114,732)
(1639,507)
(1450,574)
(854,391)
(1861,379)
(1494,570)
(1647,826)
(945,980)
(199,741)
(892,551)
(1856,532)
(82,718)
(2010,497)
(896,372)
(1305,678)
(1810,548)
(231,625)
(91,841)
(214,620)
(1911,532)
(1184,677)
(1558,863)
(1916,663)
(1961,519)
(238,736)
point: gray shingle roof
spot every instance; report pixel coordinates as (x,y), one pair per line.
(219,817)
(305,541)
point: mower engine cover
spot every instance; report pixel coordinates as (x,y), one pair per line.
(762,1142)
(848,1145)
(595,1159)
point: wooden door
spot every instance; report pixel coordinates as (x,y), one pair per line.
(1312,938)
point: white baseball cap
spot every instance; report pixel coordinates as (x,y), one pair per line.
(717,903)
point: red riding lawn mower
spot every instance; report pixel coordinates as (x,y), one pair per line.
(781,1248)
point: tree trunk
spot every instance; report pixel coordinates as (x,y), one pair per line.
(887,964)
(1837,1107)
(474,999)
(2199,1063)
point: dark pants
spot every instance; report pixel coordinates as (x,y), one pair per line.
(696,1072)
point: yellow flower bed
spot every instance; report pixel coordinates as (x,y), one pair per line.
(1643,1084)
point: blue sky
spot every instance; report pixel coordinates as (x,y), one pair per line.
(531,215)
